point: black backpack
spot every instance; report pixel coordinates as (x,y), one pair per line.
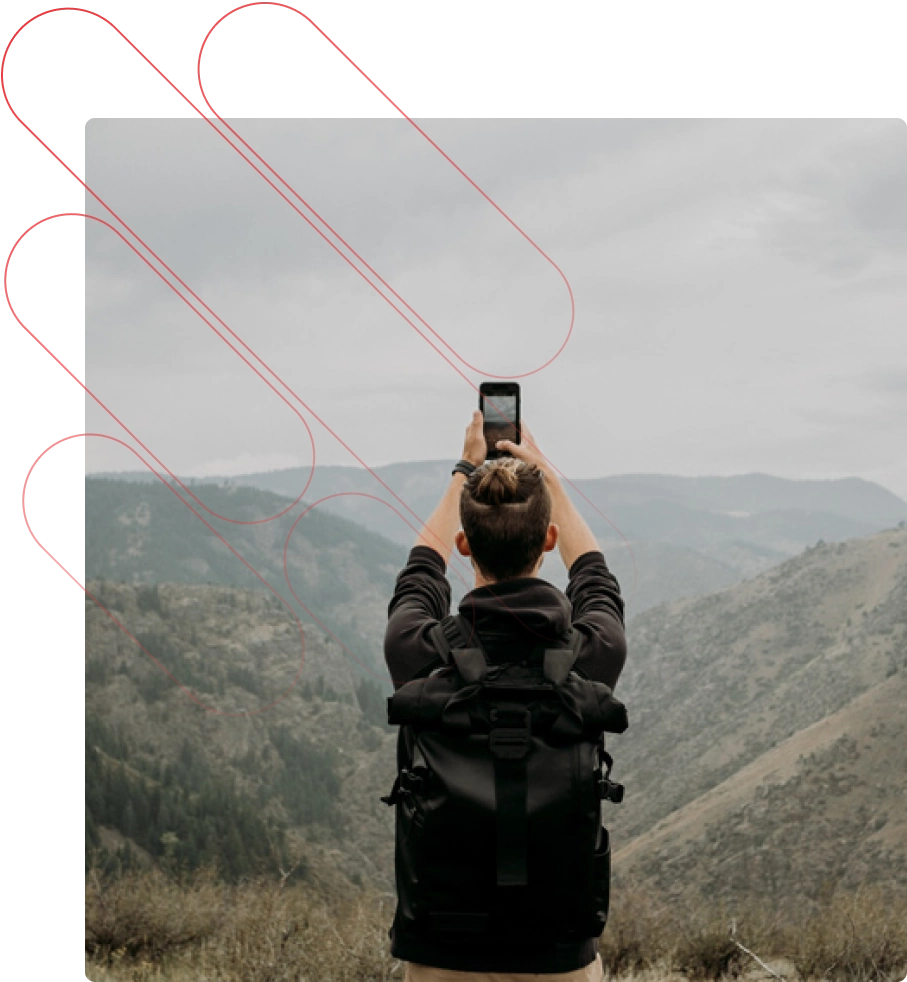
(501,774)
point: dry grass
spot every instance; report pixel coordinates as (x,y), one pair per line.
(148,915)
(637,936)
(148,927)
(854,937)
(645,934)
(145,927)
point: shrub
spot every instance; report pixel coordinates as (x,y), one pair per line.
(148,598)
(707,952)
(147,914)
(638,933)
(857,937)
(285,935)
(706,945)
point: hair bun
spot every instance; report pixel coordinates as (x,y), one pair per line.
(499,482)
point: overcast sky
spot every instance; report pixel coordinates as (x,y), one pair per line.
(740,291)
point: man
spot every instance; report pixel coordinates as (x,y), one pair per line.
(513,510)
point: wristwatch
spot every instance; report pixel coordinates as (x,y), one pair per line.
(464,467)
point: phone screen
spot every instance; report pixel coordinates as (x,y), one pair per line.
(501,412)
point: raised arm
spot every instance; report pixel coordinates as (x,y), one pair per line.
(575,538)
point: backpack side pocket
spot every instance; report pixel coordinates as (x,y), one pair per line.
(601,880)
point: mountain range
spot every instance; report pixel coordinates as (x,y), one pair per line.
(765,755)
(678,536)
(767,751)
(143,533)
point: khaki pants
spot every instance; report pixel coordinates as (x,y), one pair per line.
(593,972)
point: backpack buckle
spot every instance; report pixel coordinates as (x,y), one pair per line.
(395,793)
(610,790)
(407,782)
(511,737)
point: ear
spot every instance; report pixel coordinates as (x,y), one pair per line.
(461,543)
(551,537)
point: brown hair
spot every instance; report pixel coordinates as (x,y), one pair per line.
(505,509)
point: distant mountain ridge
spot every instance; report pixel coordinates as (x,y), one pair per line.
(688,536)
(141,533)
(848,497)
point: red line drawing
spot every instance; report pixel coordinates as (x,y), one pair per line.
(151,453)
(282,195)
(198,299)
(76,214)
(295,193)
(122,627)
(248,565)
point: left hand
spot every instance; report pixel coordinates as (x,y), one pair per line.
(474,446)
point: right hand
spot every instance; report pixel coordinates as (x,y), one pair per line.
(526,450)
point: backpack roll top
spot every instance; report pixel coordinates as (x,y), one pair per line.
(589,708)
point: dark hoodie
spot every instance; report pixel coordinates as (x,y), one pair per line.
(507,616)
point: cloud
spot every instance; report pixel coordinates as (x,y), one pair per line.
(844,208)
(888,382)
(725,273)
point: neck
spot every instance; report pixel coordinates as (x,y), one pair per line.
(483,581)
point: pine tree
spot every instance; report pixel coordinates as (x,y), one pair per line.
(129,821)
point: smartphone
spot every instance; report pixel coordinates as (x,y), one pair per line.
(500,405)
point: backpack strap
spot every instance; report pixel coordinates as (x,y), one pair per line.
(510,740)
(450,636)
(559,661)
(447,635)
(455,641)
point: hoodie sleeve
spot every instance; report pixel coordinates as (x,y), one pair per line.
(421,599)
(598,613)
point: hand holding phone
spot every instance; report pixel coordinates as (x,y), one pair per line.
(500,406)
(528,450)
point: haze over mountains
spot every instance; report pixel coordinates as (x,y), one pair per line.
(684,536)
(766,704)
(765,756)
(140,532)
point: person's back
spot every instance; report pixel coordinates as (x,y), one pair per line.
(512,512)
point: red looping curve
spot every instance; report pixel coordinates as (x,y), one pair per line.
(334,232)
(188,692)
(216,317)
(123,425)
(176,88)
(350,494)
(205,115)
(110,412)
(37,340)
(210,528)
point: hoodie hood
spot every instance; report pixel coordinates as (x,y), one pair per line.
(528,606)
